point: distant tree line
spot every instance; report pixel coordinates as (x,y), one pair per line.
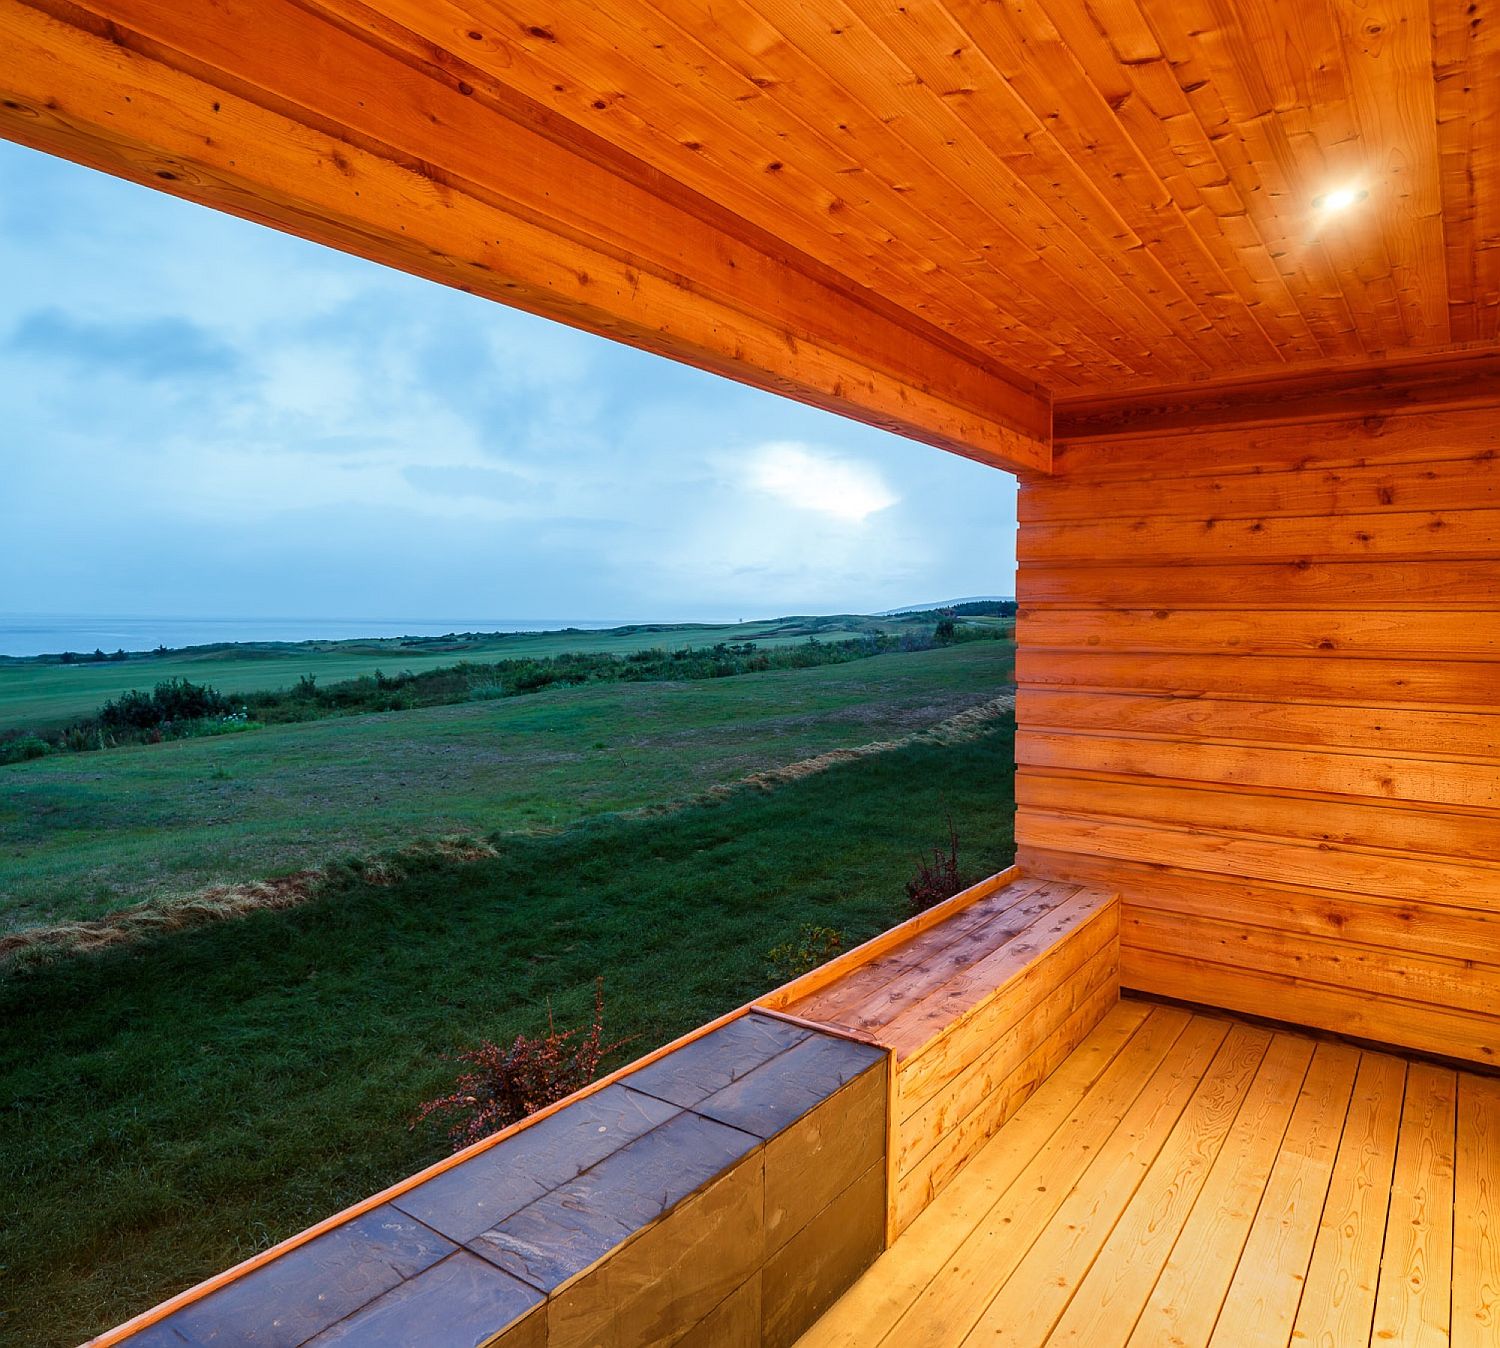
(97,658)
(178,709)
(983,608)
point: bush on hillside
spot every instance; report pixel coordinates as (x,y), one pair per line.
(171,701)
(505,1085)
(23,749)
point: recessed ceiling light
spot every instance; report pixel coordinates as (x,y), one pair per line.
(1340,199)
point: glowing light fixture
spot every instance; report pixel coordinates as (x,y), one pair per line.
(1340,199)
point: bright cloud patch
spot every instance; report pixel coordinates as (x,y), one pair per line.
(837,487)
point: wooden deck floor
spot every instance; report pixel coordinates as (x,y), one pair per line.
(1186,1180)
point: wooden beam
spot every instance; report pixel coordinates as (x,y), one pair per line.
(349,135)
(1451,381)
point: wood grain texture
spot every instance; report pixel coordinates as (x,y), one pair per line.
(903,1271)
(1184,1304)
(1262,1300)
(1375,388)
(977,1010)
(889,211)
(1212,1183)
(809,1273)
(1476,1215)
(1413,1302)
(948,1307)
(842,966)
(1338,1298)
(825,1152)
(1258,675)
(921,1177)
(672,1275)
(1111,1293)
(344,135)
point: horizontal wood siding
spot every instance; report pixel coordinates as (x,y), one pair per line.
(1260,697)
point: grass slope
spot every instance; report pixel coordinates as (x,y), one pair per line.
(42,692)
(167,1110)
(81,834)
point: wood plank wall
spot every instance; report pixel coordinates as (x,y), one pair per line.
(1260,696)
(954,1091)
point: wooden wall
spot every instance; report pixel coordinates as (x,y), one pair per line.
(1260,696)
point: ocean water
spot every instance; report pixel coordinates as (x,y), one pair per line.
(35,634)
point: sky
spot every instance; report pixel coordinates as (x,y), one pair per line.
(206,418)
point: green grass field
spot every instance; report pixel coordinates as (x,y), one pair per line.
(167,1109)
(82,834)
(44,693)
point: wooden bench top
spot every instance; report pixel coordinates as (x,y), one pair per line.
(910,993)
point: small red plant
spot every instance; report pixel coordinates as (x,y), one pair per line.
(937,879)
(507,1084)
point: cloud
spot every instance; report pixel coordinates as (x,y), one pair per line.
(800,476)
(239,422)
(158,348)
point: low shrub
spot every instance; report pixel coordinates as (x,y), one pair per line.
(505,1085)
(937,878)
(813,945)
(23,749)
(170,701)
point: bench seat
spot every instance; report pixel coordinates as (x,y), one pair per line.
(725,1192)
(977,1009)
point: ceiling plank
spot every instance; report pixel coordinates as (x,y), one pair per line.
(244,107)
(1085,197)
(1142,90)
(721,93)
(1389,54)
(1466,65)
(828,52)
(1450,381)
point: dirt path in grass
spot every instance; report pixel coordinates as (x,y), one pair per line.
(218,903)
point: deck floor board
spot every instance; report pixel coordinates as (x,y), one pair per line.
(1185,1180)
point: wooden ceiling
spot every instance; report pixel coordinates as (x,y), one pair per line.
(1096,193)
(987,203)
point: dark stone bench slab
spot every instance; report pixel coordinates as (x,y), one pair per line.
(727,1191)
(573,1227)
(496,1184)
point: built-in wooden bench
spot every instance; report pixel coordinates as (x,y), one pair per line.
(726,1192)
(977,1002)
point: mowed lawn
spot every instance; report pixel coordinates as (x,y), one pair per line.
(81,834)
(168,1109)
(35,693)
